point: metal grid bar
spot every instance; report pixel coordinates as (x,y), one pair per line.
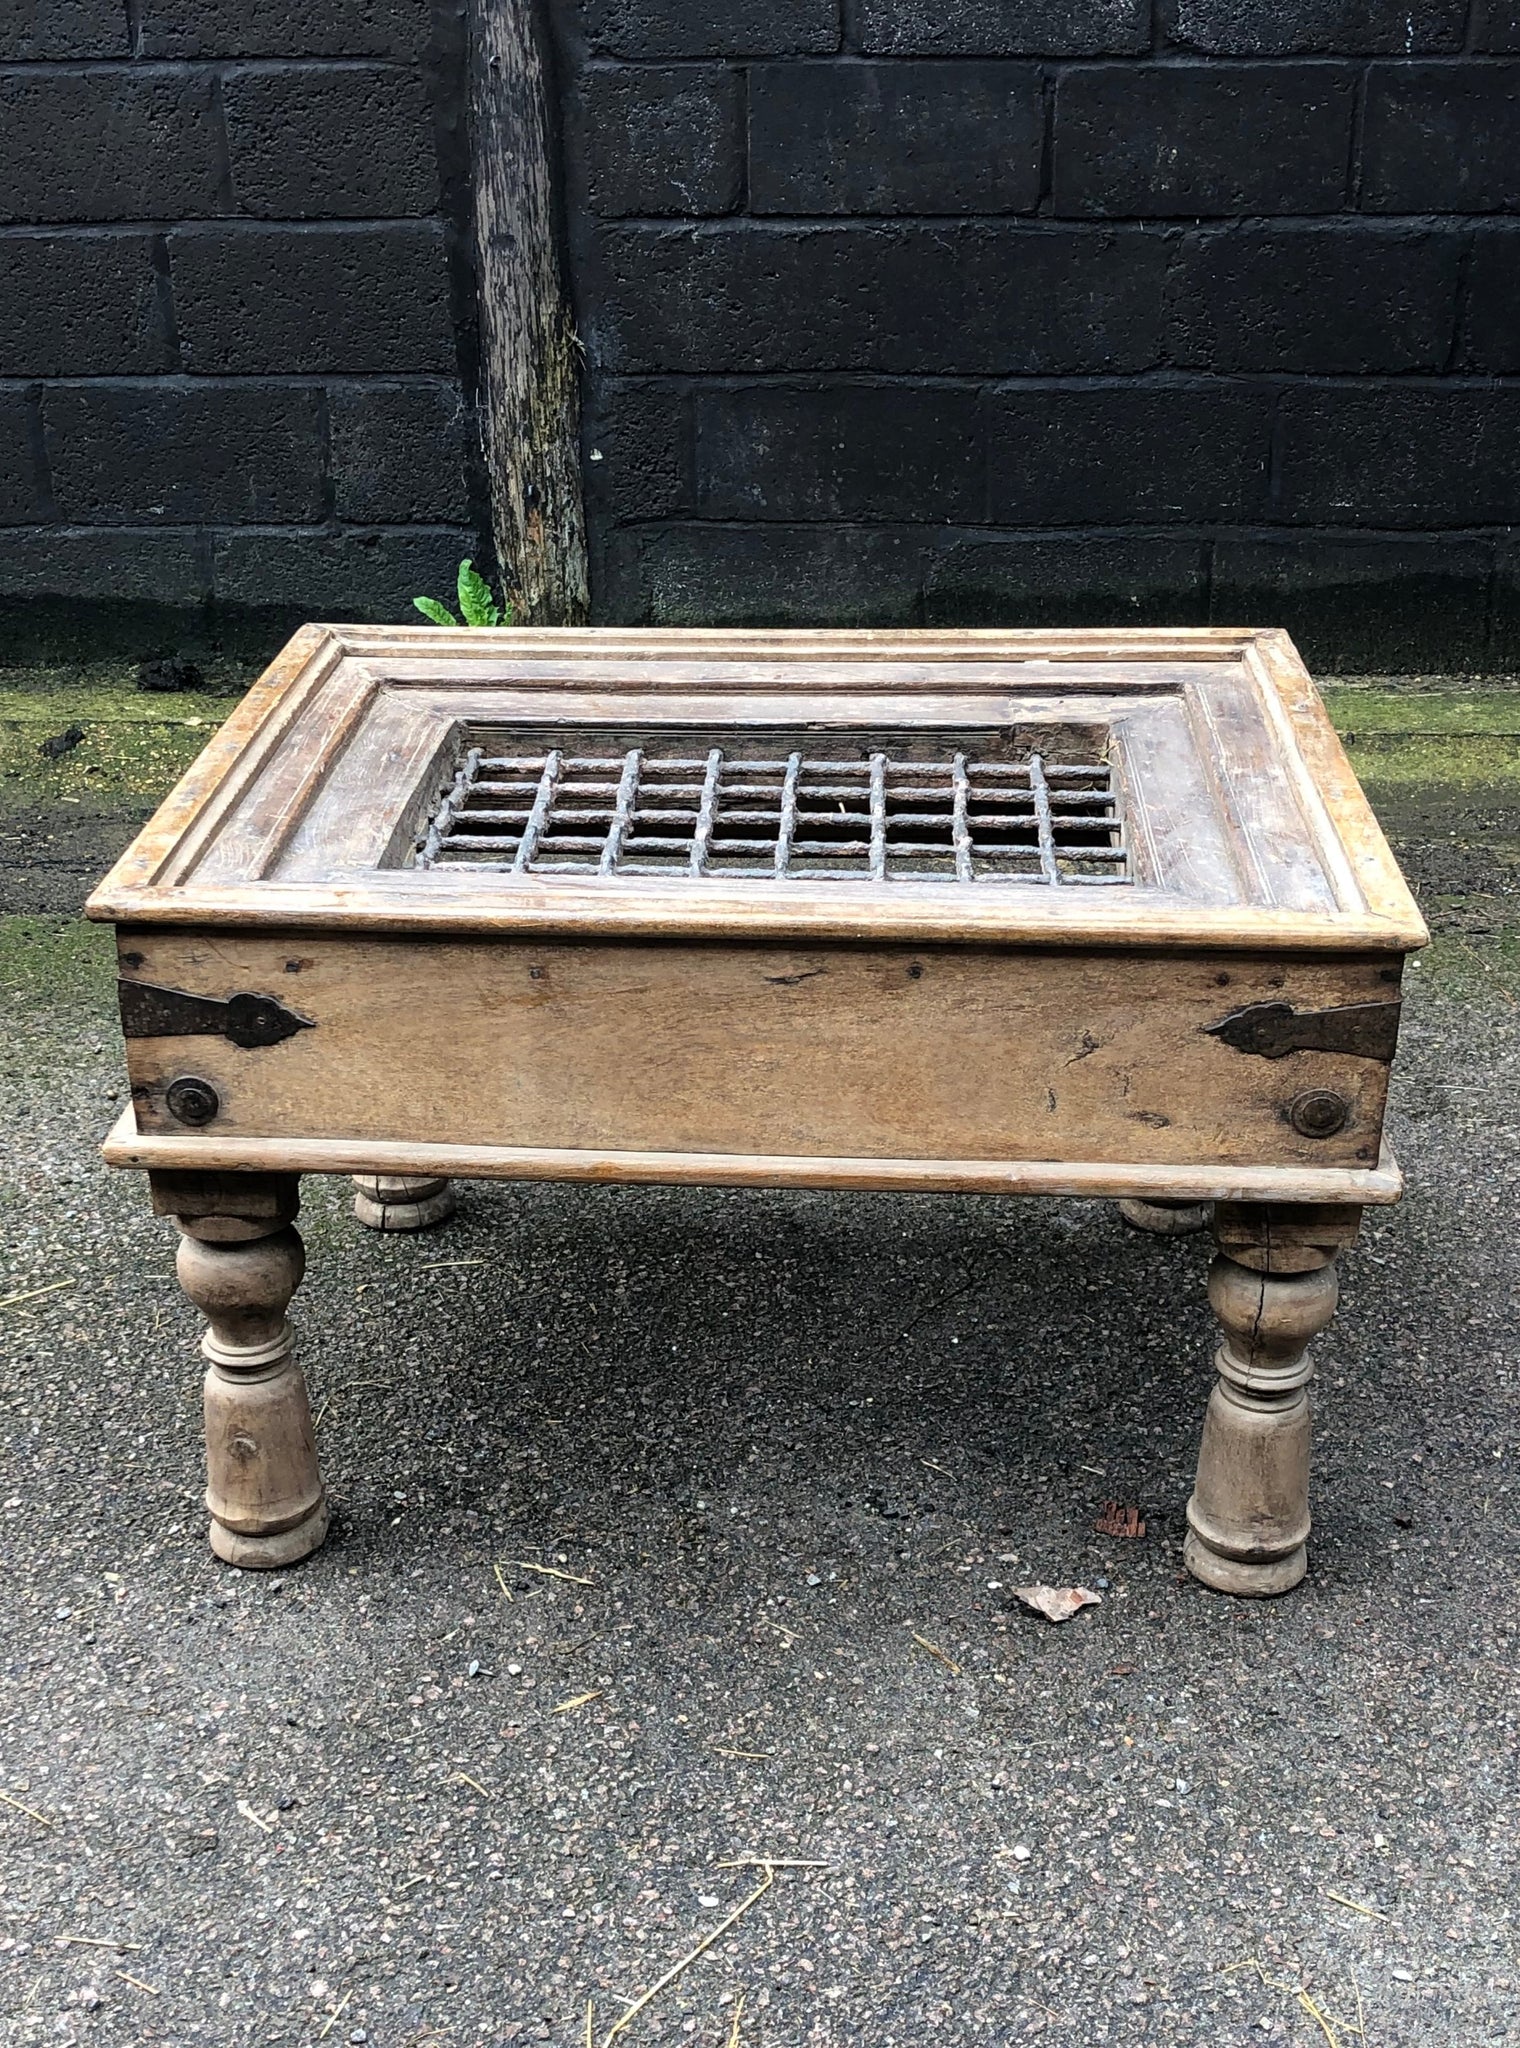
(786,827)
(443,818)
(784,816)
(538,817)
(960,831)
(622,811)
(606,767)
(878,817)
(707,811)
(1041,790)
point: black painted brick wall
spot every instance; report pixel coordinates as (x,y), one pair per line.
(927,311)
(1049,311)
(236,316)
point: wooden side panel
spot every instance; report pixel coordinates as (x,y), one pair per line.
(289,778)
(224,767)
(1347,826)
(1176,835)
(377,795)
(881,1052)
(1278,854)
(770,643)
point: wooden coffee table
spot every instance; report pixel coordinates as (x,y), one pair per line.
(1071,914)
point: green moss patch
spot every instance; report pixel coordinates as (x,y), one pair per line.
(1363,711)
(57,960)
(1470,966)
(136,745)
(98,684)
(1406,761)
(1404,738)
(133,746)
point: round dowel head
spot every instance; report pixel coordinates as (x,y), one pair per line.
(1165,1219)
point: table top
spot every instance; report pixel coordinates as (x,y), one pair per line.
(1143,788)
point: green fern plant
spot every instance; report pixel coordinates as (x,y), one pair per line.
(477,607)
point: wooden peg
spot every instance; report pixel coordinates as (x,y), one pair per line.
(1164,1218)
(402,1201)
(1272,1287)
(240,1261)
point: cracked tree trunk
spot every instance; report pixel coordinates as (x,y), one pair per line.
(530,355)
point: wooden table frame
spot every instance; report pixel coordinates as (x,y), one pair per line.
(918,1035)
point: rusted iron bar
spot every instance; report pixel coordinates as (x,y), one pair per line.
(558,812)
(787,827)
(960,831)
(878,817)
(707,812)
(538,817)
(1041,790)
(443,817)
(627,796)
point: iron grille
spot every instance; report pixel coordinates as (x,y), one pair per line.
(794,815)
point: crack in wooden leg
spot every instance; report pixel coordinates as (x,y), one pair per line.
(397,1201)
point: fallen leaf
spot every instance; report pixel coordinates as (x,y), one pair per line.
(1057,1603)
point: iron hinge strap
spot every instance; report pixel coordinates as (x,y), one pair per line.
(148,1011)
(1367,1031)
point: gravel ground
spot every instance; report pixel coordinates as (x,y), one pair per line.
(792,1442)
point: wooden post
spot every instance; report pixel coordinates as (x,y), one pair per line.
(402,1201)
(1273,1288)
(240,1260)
(529,350)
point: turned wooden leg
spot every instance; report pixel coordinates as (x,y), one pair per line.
(1272,1287)
(402,1201)
(1165,1218)
(240,1260)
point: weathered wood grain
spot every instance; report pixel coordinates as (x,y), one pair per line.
(1257,836)
(795,1050)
